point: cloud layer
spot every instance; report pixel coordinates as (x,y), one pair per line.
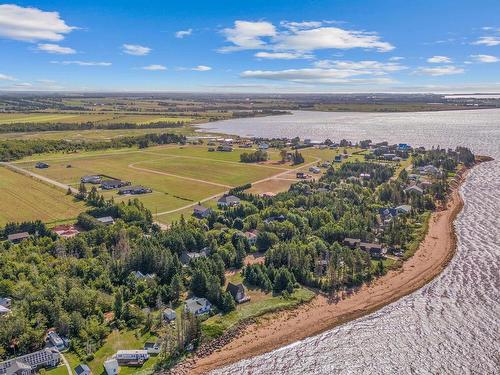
(31,24)
(135,49)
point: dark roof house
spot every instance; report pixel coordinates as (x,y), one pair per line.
(82,370)
(18,237)
(238,292)
(134,190)
(201,212)
(113,184)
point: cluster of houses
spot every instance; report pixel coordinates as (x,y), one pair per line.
(124,187)
(375,250)
(225,201)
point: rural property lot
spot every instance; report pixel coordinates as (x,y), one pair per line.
(180,176)
(25,198)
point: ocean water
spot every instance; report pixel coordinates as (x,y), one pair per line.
(450,326)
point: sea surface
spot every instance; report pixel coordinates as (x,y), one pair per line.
(450,326)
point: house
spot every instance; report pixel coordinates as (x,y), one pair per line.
(113,184)
(169,315)
(134,357)
(134,190)
(238,292)
(4,311)
(41,165)
(430,170)
(389,156)
(374,249)
(225,148)
(387,214)
(56,340)
(280,219)
(187,257)
(315,170)
(338,159)
(263,146)
(197,306)
(228,201)
(352,242)
(18,237)
(106,220)
(365,176)
(404,209)
(201,212)
(251,236)
(82,370)
(267,194)
(111,366)
(65,230)
(152,347)
(6,302)
(142,276)
(95,179)
(414,189)
(45,358)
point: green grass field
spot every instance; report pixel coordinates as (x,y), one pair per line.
(117,340)
(24,198)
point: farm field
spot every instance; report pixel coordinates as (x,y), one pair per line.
(180,176)
(24,198)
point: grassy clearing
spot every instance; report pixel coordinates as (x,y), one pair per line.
(260,304)
(13,118)
(118,340)
(24,198)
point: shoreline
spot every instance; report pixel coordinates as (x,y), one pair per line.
(282,328)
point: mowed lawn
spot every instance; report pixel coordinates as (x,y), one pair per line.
(169,192)
(24,198)
(12,118)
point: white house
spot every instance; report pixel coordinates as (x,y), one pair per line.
(6,302)
(131,355)
(228,201)
(152,347)
(169,314)
(111,366)
(263,146)
(198,306)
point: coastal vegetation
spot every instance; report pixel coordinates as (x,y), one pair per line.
(359,217)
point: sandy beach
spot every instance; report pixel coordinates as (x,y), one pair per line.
(282,328)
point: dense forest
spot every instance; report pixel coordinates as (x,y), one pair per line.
(74,284)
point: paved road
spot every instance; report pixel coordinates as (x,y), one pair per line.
(39,177)
(66,363)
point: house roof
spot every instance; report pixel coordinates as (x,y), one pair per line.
(235,288)
(82,369)
(193,304)
(105,219)
(18,236)
(414,188)
(229,199)
(200,208)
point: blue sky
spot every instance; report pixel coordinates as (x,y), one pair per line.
(257,46)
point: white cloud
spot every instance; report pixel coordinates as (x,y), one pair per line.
(82,63)
(31,24)
(439,60)
(4,77)
(248,35)
(489,41)
(154,67)
(298,37)
(444,70)
(366,66)
(135,49)
(183,33)
(55,48)
(485,58)
(201,68)
(396,58)
(330,38)
(283,55)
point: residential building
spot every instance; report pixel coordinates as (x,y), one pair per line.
(113,184)
(134,190)
(82,370)
(228,201)
(18,237)
(201,212)
(45,358)
(365,176)
(188,256)
(95,179)
(251,236)
(263,146)
(152,347)
(134,357)
(238,292)
(142,276)
(106,220)
(65,230)
(4,310)
(414,189)
(374,249)
(56,341)
(352,242)
(6,302)
(197,305)
(111,366)
(404,209)
(315,170)
(169,315)
(225,148)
